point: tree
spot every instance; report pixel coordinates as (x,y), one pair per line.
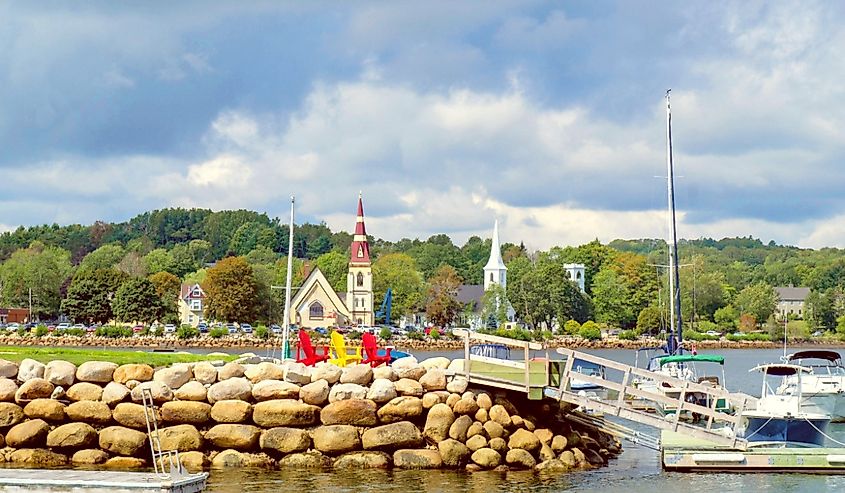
(610,297)
(398,271)
(167,287)
(726,317)
(442,296)
(159,260)
(132,264)
(105,257)
(758,300)
(90,294)
(137,301)
(231,291)
(335,266)
(261,255)
(245,238)
(820,310)
(197,277)
(494,305)
(649,321)
(41,268)
(542,293)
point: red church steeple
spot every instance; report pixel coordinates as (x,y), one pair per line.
(360,251)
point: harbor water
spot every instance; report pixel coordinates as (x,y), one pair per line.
(636,470)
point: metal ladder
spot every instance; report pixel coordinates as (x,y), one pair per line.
(166,463)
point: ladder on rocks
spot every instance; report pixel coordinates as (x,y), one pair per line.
(166,463)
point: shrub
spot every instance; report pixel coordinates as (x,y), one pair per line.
(416,335)
(590,331)
(22,331)
(41,331)
(628,335)
(70,332)
(187,332)
(571,327)
(113,331)
(217,332)
(386,333)
(434,333)
(262,332)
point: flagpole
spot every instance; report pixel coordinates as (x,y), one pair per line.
(286,330)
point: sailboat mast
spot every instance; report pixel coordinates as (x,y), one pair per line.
(285,336)
(675,331)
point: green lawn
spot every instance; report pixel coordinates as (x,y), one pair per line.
(78,356)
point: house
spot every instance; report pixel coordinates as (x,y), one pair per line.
(791,301)
(191,304)
(10,315)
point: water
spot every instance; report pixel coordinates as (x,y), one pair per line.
(636,470)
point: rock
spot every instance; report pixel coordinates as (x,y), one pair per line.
(594,458)
(336,439)
(580,458)
(410,373)
(356,412)
(238,437)
(452,399)
(131,415)
(8,369)
(160,392)
(194,461)
(524,439)
(285,440)
(205,373)
(439,362)
(381,391)
(46,409)
(231,411)
(297,373)
(363,460)
(10,414)
(437,423)
(89,456)
(476,442)
(574,439)
(403,434)
(481,415)
(96,371)
(405,408)
(517,422)
(58,393)
(133,371)
(385,372)
(568,459)
(60,372)
(545,435)
(94,412)
(183,438)
(431,399)
(494,429)
(174,376)
(307,460)
(236,388)
(357,374)
(266,390)
(315,393)
(417,459)
(406,386)
(123,463)
(499,415)
(85,391)
(230,370)
(29,369)
(29,434)
(131,384)
(552,466)
(38,457)
(403,363)
(458,385)
(558,443)
(434,379)
(343,391)
(192,391)
(186,412)
(458,430)
(465,406)
(520,458)
(326,371)
(34,388)
(484,401)
(499,445)
(476,429)
(8,388)
(284,412)
(453,453)
(264,371)
(486,458)
(114,393)
(229,458)
(546,452)
(72,436)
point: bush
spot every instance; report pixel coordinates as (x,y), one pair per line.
(22,331)
(416,335)
(217,332)
(434,333)
(70,332)
(187,332)
(262,332)
(113,331)
(628,335)
(386,333)
(571,327)
(590,331)
(41,331)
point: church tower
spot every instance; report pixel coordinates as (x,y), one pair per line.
(495,272)
(359,281)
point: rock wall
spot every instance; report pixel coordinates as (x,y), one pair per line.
(409,415)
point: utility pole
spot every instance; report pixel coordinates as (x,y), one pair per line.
(29,320)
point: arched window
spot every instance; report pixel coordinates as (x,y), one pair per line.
(578,275)
(360,279)
(315,310)
(491,277)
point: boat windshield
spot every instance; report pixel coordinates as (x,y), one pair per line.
(820,362)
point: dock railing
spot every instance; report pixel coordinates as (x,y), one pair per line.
(166,463)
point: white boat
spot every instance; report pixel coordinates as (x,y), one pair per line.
(685,367)
(823,387)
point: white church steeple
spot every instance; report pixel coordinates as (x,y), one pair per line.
(495,272)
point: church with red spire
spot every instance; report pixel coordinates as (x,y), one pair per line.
(316,304)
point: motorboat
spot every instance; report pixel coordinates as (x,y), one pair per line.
(824,387)
(685,367)
(585,388)
(780,419)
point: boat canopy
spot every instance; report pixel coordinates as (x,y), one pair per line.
(685,358)
(816,354)
(780,370)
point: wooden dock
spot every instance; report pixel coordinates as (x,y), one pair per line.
(77,481)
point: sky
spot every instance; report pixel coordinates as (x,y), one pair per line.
(548,116)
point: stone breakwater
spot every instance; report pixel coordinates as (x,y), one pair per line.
(259,413)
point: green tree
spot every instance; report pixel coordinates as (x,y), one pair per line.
(610,298)
(159,260)
(571,327)
(167,287)
(542,293)
(132,264)
(334,265)
(245,238)
(197,277)
(494,305)
(398,271)
(43,269)
(649,321)
(137,301)
(105,257)
(261,255)
(442,304)
(231,291)
(90,294)
(726,317)
(758,299)
(820,310)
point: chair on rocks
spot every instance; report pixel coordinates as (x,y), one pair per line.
(310,357)
(373,358)
(340,353)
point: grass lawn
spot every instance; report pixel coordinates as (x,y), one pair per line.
(78,356)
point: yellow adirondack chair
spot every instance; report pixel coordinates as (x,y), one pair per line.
(340,353)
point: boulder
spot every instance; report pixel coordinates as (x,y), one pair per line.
(357,374)
(96,371)
(297,373)
(517,422)
(122,463)
(414,373)
(403,434)
(285,440)
(453,453)
(231,411)
(205,373)
(500,415)
(29,369)
(484,401)
(406,386)
(237,388)
(580,458)
(34,388)
(326,371)
(558,443)
(38,457)
(439,362)
(486,458)
(458,430)
(284,412)
(406,362)
(131,415)
(476,442)
(381,391)
(417,459)
(133,371)
(85,391)
(183,438)
(465,406)
(10,414)
(60,372)
(94,412)
(114,393)
(405,408)
(437,423)
(431,399)
(160,392)
(545,435)
(356,412)
(29,434)
(434,379)
(315,393)
(194,461)
(363,460)
(229,458)
(230,370)
(72,436)
(307,460)
(524,439)
(476,429)
(494,429)
(264,371)
(336,439)
(192,391)
(90,456)
(452,399)
(458,385)
(343,391)
(8,388)
(266,390)
(186,412)
(59,393)
(174,376)
(568,459)
(8,369)
(546,452)
(385,372)
(499,445)
(232,436)
(481,415)
(46,409)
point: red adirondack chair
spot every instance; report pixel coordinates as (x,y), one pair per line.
(371,351)
(310,356)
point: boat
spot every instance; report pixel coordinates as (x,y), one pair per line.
(685,367)
(780,419)
(823,387)
(586,388)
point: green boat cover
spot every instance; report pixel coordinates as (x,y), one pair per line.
(684,358)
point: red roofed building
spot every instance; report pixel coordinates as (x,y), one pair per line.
(359,281)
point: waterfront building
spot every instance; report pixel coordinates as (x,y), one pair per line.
(191,304)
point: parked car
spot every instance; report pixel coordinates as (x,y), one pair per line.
(275,329)
(246,328)
(12,327)
(202,327)
(232,328)
(138,329)
(713,333)
(321,330)
(78,326)
(398,332)
(63,326)
(818,333)
(169,329)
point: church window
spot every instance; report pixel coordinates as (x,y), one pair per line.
(360,251)
(578,276)
(491,277)
(360,279)
(315,310)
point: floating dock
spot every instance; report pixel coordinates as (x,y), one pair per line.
(78,481)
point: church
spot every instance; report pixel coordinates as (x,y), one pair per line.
(316,304)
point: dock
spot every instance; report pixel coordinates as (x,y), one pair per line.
(77,481)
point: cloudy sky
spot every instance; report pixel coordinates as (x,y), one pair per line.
(547,115)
